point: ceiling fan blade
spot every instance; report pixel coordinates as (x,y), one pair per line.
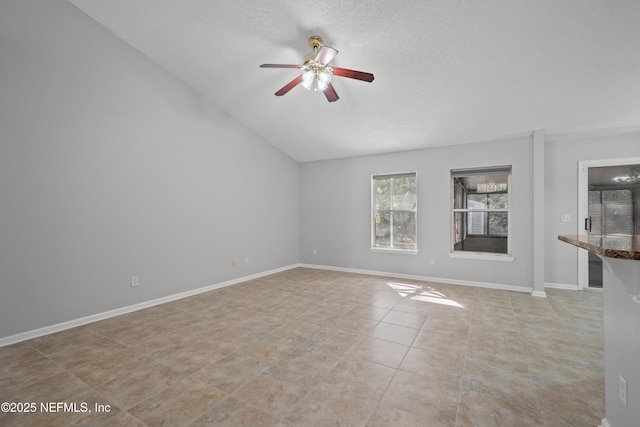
(353,74)
(279,66)
(293,83)
(331,94)
(325,55)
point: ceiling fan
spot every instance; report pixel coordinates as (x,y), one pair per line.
(316,75)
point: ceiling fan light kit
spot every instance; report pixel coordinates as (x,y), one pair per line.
(317,74)
(316,77)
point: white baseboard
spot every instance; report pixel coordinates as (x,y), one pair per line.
(605,423)
(498,286)
(561,286)
(12,339)
(539,294)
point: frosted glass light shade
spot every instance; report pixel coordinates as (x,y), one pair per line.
(316,80)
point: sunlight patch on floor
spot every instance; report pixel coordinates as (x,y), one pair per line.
(417,293)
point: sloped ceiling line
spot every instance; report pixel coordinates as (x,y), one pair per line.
(447,72)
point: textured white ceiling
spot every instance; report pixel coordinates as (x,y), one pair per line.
(446,71)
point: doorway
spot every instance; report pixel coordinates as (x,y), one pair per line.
(609,202)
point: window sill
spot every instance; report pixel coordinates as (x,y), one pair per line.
(395,251)
(482,255)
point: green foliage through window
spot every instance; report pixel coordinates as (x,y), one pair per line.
(394,211)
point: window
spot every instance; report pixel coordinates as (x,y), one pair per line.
(394,207)
(481,210)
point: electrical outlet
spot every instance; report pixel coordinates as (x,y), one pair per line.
(246,260)
(315,252)
(432,260)
(565,218)
(134,281)
(622,383)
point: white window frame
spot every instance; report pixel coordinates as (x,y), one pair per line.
(490,256)
(373,247)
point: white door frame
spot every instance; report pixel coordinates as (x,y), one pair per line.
(583,206)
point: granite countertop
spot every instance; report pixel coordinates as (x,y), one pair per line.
(613,246)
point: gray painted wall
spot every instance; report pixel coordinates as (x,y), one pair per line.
(110,167)
(561,195)
(621,340)
(335,208)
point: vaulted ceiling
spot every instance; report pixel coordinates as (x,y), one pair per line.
(446,71)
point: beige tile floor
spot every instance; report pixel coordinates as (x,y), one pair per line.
(319,348)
